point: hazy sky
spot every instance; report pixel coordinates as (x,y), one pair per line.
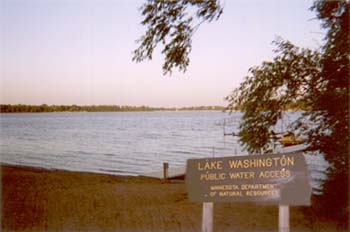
(79,51)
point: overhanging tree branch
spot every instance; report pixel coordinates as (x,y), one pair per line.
(170,24)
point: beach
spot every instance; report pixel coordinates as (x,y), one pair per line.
(35,199)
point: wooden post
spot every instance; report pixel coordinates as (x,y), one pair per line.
(165,172)
(208,217)
(224,127)
(283,218)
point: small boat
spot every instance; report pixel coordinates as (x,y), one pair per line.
(290,139)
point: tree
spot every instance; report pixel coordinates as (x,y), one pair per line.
(170,24)
(332,134)
(321,81)
(270,88)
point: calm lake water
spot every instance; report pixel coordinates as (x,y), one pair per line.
(127,143)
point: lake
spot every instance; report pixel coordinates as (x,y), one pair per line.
(123,143)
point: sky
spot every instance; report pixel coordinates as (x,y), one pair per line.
(80,52)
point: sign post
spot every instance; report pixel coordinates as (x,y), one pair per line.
(280,179)
(208,217)
(283,218)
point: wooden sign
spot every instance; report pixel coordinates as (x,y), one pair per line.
(275,178)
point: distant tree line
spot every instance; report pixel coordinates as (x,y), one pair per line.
(19,108)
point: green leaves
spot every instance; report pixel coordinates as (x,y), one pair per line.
(317,82)
(270,88)
(170,24)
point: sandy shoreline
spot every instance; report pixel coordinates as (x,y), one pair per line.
(35,199)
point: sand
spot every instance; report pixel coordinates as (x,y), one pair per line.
(36,199)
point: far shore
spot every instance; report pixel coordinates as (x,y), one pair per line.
(19,108)
(36,199)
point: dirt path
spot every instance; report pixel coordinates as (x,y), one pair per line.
(43,200)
